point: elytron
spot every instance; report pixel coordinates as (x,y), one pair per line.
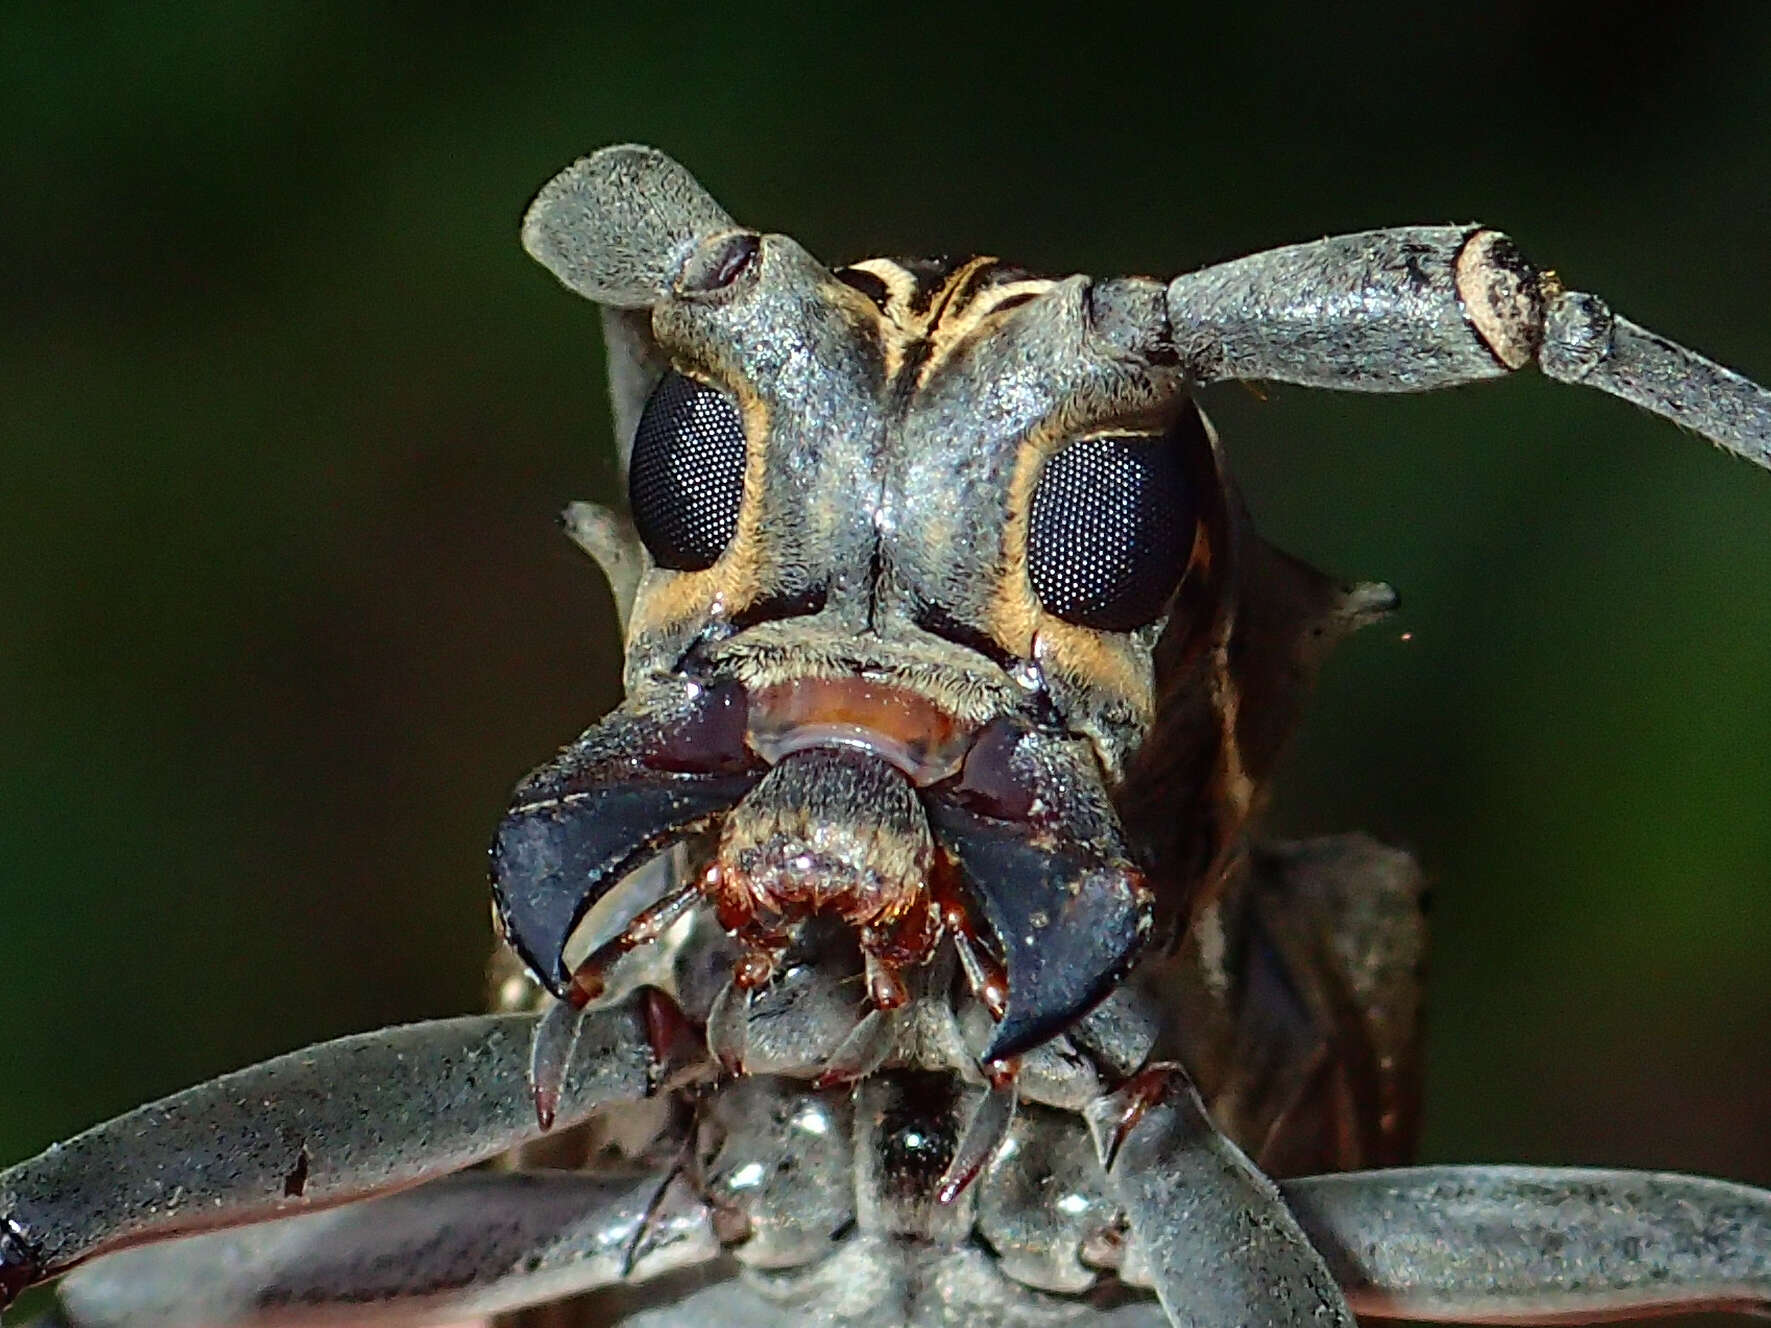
(903,949)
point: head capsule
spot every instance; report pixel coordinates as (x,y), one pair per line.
(930,565)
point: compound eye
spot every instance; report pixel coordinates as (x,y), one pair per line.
(1112,528)
(685,479)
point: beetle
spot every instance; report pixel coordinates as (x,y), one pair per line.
(904,938)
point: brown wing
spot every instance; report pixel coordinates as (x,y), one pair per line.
(1299,1005)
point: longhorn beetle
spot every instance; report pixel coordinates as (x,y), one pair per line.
(902,948)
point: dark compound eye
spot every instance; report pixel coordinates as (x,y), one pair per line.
(686,477)
(1112,528)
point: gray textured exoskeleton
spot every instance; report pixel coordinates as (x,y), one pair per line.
(955,678)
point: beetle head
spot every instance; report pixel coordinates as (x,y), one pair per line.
(920,548)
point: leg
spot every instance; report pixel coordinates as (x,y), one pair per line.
(1215,1238)
(322,1126)
(1425,307)
(609,538)
(635,366)
(462,1247)
(1538,1244)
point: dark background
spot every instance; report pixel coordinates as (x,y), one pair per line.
(286,416)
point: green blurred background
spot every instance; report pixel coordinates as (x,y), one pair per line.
(286,416)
